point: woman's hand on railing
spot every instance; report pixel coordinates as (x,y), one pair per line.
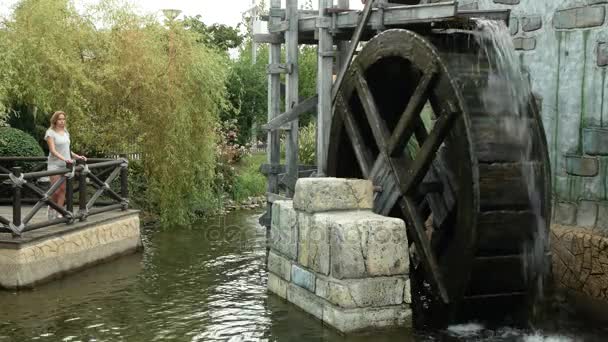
(79,157)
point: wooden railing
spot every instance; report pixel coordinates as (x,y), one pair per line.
(18,188)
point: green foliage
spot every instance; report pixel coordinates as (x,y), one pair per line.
(247,91)
(126,82)
(16,143)
(220,36)
(249,182)
(307,144)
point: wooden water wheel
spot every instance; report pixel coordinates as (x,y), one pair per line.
(419,115)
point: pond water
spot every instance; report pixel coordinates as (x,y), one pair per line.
(205,283)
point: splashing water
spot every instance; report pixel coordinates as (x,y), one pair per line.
(508,94)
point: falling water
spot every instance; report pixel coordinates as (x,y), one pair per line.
(508,94)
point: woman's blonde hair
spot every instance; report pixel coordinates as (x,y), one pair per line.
(55,117)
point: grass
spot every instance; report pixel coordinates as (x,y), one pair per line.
(249,181)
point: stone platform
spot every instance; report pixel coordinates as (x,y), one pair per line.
(580,268)
(52,252)
(331,256)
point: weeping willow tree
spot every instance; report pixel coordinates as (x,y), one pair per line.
(126,81)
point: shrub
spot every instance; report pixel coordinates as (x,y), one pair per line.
(307,144)
(16,143)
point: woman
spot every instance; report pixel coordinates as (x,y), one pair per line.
(60,155)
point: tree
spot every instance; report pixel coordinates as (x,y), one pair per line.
(220,36)
(126,82)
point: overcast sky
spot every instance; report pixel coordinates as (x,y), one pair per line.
(227,12)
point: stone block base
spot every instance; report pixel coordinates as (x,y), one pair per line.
(344,320)
(52,252)
(331,256)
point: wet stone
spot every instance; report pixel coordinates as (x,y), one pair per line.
(279,266)
(565,213)
(376,291)
(602,216)
(582,166)
(284,229)
(366,244)
(313,243)
(531,23)
(507,2)
(277,285)
(602,54)
(595,141)
(579,17)
(303,278)
(314,195)
(524,44)
(514,25)
(586,214)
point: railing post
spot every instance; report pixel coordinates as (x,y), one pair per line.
(124,183)
(16,171)
(69,192)
(82,192)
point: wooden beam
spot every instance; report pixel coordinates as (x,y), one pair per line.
(306,106)
(367,11)
(271,198)
(393,16)
(279,68)
(274,108)
(278,27)
(292,53)
(324,83)
(427,152)
(271,38)
(424,247)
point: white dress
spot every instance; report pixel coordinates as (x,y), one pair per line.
(62,146)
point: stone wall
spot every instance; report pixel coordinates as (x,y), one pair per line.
(563,45)
(335,259)
(58,252)
(580,266)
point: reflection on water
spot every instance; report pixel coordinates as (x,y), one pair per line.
(205,283)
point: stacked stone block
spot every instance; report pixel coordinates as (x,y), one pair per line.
(580,261)
(331,256)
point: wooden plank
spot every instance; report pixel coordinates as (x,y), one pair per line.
(411,116)
(362,152)
(324,83)
(274,102)
(486,280)
(423,249)
(506,186)
(279,68)
(271,38)
(279,27)
(499,15)
(426,155)
(267,169)
(292,91)
(376,123)
(394,16)
(306,106)
(502,232)
(367,10)
(274,197)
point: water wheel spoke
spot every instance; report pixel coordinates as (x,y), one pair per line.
(423,246)
(425,156)
(376,123)
(410,121)
(362,153)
